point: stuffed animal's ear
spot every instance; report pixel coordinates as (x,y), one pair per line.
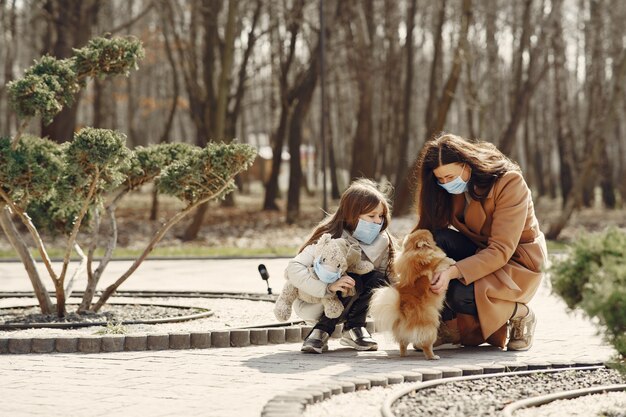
(354,254)
(324,239)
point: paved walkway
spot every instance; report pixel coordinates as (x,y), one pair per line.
(234,381)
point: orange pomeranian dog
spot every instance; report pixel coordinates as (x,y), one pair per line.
(409,309)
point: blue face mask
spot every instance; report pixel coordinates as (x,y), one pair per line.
(456,186)
(323,273)
(366,231)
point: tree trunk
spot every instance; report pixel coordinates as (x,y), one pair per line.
(403,144)
(278,138)
(70,27)
(304,92)
(14,238)
(435,68)
(526,86)
(363,156)
(404,194)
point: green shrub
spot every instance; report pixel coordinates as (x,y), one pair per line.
(593,278)
(63,188)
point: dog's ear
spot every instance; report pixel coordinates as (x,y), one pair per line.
(420,243)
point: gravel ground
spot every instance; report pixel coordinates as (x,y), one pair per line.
(611,404)
(228,313)
(486,397)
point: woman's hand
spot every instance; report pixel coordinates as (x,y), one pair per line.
(342,284)
(442,279)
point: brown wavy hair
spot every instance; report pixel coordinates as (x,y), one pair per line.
(433,203)
(362,196)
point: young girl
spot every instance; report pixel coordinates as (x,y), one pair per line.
(475,201)
(362,217)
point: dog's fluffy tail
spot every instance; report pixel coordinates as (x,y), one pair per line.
(385,308)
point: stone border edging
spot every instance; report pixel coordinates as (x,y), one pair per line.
(564,395)
(295,402)
(240,337)
(68,325)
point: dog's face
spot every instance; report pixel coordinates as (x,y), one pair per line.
(420,255)
(420,242)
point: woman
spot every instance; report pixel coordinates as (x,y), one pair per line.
(479,208)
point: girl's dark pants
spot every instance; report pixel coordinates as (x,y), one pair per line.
(459,298)
(355,307)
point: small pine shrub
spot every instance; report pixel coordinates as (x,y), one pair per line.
(593,278)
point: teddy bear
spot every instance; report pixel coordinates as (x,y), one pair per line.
(336,254)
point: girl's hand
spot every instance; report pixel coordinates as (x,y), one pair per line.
(441,280)
(342,284)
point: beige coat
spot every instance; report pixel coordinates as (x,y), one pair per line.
(299,273)
(507,267)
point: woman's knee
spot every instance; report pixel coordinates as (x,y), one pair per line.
(455,244)
(460,298)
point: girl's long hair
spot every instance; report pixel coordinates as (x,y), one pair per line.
(433,203)
(362,196)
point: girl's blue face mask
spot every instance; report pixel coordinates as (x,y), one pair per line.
(456,186)
(366,231)
(323,273)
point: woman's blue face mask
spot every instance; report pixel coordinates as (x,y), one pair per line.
(456,186)
(323,273)
(366,231)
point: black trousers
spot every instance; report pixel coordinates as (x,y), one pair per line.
(355,307)
(459,298)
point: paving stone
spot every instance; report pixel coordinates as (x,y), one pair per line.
(4,345)
(448,371)
(335,388)
(284,407)
(376,380)
(560,364)
(324,389)
(359,383)
(293,334)
(135,342)
(160,341)
(514,366)
(89,344)
(20,344)
(394,378)
(470,370)
(346,386)
(287,413)
(43,344)
(304,331)
(581,363)
(180,340)
(317,395)
(294,396)
(491,368)
(410,376)
(220,338)
(239,338)
(276,335)
(258,337)
(200,340)
(67,344)
(536,365)
(429,374)
(113,343)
